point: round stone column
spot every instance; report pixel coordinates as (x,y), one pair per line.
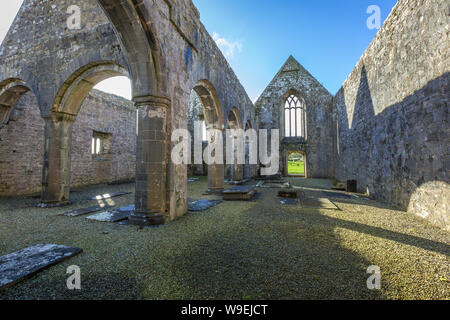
(152,156)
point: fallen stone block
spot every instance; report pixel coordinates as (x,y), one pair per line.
(240,193)
(202,205)
(19,265)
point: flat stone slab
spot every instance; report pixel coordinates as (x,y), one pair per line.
(239,193)
(19,265)
(202,205)
(84,211)
(239,190)
(317,203)
(274,184)
(110,216)
(109,195)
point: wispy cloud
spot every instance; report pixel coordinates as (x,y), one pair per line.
(228,48)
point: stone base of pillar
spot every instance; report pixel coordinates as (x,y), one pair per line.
(142,220)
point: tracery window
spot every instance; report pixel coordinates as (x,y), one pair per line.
(294,117)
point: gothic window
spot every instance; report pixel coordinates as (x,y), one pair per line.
(294,117)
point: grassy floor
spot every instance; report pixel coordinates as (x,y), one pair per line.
(236,250)
(296,168)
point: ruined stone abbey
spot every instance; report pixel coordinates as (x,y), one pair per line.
(387,128)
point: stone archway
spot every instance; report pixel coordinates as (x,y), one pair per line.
(212,112)
(10,92)
(58,127)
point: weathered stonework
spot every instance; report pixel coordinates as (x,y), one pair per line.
(391,114)
(21,157)
(318,145)
(387,128)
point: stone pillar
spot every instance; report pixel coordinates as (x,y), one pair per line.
(238,169)
(151,161)
(57,154)
(215,173)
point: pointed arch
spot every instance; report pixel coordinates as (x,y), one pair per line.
(133,27)
(212,109)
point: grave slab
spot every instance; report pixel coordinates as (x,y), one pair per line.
(202,205)
(110,216)
(239,193)
(84,211)
(19,265)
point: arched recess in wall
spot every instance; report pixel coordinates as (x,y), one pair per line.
(11,90)
(213,117)
(234,122)
(21,138)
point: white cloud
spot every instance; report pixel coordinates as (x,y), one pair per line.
(227,47)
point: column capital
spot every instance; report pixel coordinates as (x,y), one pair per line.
(59,116)
(159,101)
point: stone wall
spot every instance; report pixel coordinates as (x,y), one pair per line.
(318,145)
(22,144)
(391,113)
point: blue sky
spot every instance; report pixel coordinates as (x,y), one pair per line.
(257,36)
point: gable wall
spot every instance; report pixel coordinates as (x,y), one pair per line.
(270,109)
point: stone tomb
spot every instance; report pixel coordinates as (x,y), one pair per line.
(202,205)
(239,193)
(113,215)
(16,266)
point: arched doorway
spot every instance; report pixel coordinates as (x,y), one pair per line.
(58,127)
(213,118)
